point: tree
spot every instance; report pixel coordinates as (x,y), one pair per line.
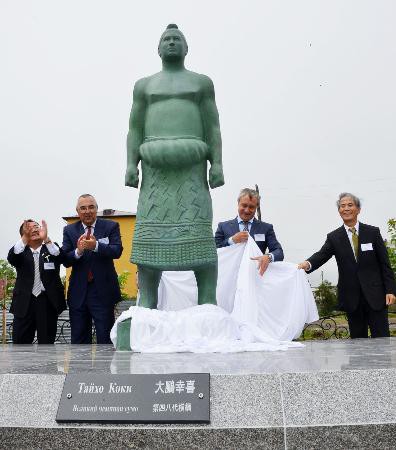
(7,272)
(326,298)
(122,281)
(391,243)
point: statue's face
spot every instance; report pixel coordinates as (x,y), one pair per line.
(172,46)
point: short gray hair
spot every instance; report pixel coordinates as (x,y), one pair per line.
(86,196)
(251,193)
(355,199)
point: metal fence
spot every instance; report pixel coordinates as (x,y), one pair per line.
(328,327)
(63,330)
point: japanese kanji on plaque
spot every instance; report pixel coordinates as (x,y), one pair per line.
(135,398)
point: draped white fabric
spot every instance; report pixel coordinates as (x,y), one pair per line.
(253,312)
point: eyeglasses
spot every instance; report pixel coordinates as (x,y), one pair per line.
(87,208)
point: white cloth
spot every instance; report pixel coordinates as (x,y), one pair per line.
(253,312)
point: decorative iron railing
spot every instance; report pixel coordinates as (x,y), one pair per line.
(328,327)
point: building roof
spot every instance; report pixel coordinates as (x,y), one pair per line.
(106,213)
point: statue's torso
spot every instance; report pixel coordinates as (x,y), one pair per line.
(172,105)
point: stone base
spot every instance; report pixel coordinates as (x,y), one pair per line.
(123,336)
(330,394)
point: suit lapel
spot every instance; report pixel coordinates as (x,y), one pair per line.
(80,229)
(253,228)
(363,237)
(29,257)
(98,229)
(43,252)
(235,226)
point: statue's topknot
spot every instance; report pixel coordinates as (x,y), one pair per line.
(172,26)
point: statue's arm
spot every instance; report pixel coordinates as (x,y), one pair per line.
(135,134)
(210,118)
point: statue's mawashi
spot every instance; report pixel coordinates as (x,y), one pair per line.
(174,130)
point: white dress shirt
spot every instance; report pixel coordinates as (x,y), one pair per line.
(349,234)
(19,247)
(241,224)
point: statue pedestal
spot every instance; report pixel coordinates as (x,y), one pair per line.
(329,394)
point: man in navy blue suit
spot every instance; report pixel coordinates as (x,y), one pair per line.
(237,230)
(89,247)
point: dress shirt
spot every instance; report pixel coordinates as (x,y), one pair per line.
(349,234)
(241,224)
(19,247)
(76,255)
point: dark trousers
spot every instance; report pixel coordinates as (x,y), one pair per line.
(41,317)
(81,319)
(364,317)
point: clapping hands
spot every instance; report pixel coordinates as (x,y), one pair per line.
(85,243)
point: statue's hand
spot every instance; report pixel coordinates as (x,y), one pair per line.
(216,177)
(132,177)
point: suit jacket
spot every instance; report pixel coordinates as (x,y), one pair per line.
(24,264)
(371,274)
(100,263)
(227,229)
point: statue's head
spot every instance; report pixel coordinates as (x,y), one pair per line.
(172,45)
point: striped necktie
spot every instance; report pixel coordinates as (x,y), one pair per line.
(355,241)
(37,280)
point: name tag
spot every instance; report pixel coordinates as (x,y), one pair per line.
(49,266)
(365,247)
(104,240)
(259,237)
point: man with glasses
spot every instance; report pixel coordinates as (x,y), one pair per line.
(90,245)
(38,297)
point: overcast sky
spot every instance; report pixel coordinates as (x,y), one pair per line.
(305,92)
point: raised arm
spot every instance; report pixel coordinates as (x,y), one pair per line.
(135,134)
(210,119)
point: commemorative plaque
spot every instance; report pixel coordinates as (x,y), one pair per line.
(135,398)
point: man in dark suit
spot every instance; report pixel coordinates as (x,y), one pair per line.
(366,284)
(38,297)
(238,230)
(89,247)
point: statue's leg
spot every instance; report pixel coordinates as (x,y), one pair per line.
(206,277)
(148,286)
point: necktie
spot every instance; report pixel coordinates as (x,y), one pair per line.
(89,231)
(355,241)
(90,274)
(245,226)
(37,281)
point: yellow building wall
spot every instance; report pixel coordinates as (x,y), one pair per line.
(127,228)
